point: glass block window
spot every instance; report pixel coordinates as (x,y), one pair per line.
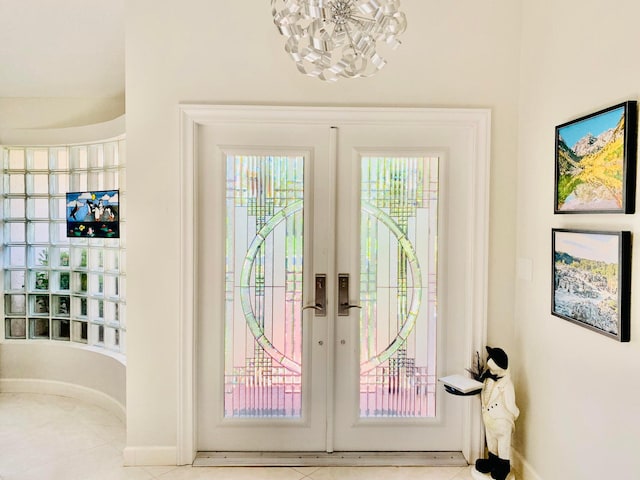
(58,288)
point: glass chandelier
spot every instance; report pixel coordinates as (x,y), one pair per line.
(329,39)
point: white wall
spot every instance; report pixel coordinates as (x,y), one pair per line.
(461,53)
(62,369)
(58,112)
(579,391)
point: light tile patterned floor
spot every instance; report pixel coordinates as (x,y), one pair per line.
(44,437)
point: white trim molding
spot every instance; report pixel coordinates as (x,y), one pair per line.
(186,428)
(477,122)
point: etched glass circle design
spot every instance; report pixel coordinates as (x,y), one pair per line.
(245,290)
(410,321)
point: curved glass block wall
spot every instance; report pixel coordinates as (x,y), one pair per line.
(59,288)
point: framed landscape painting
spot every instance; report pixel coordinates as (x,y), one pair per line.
(591,284)
(596,162)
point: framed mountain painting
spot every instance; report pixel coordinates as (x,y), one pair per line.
(591,284)
(596,162)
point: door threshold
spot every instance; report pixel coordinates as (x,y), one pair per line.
(336,459)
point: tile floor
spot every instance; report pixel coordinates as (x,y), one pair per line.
(45,437)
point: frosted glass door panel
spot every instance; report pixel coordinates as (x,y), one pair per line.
(399,219)
(263,307)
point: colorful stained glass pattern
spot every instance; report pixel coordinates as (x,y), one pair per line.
(263,304)
(399,222)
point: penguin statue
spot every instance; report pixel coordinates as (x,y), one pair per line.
(499,414)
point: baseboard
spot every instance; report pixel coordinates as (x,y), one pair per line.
(62,389)
(523,467)
(149,456)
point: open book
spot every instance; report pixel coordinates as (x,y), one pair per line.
(461,385)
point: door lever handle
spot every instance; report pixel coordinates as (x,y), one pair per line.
(346,306)
(320,303)
(317,306)
(343,295)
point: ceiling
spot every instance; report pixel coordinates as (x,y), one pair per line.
(62,48)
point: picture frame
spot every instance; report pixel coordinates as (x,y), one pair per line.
(591,280)
(93,214)
(595,162)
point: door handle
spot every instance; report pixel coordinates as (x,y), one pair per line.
(346,306)
(320,305)
(343,295)
(315,307)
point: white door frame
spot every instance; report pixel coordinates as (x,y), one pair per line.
(476,122)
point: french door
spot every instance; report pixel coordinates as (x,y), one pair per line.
(332,282)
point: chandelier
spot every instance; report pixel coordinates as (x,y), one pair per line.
(329,39)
